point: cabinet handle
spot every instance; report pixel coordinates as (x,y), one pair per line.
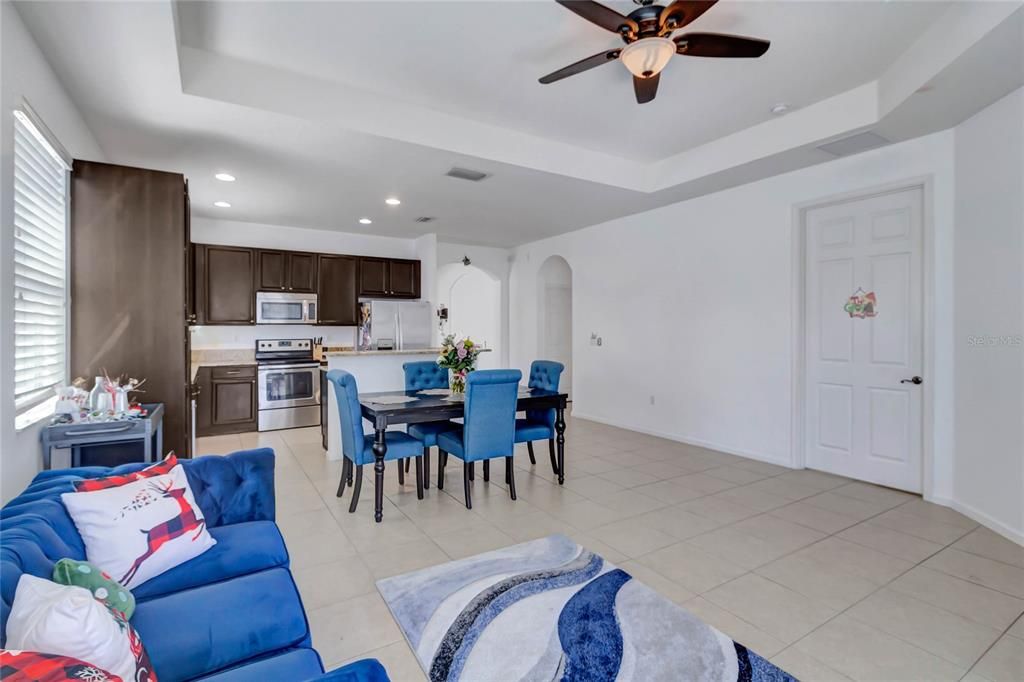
(252,321)
(233,371)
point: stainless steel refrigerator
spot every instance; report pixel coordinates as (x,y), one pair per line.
(401,325)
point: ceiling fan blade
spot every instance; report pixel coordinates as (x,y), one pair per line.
(718,45)
(682,12)
(581,66)
(645,88)
(605,17)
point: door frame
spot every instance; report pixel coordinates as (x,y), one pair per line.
(799,329)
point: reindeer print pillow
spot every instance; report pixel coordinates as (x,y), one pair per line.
(138,530)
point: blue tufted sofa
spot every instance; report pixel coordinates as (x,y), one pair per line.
(232,614)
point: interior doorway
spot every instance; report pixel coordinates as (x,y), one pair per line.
(863,338)
(554,324)
(474,308)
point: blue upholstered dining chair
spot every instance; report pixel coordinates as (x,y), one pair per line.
(540,424)
(490,420)
(419,376)
(357,446)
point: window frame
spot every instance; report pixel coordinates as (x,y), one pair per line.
(23,115)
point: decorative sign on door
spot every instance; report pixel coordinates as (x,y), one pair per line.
(862,304)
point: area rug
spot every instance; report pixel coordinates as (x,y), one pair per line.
(552,610)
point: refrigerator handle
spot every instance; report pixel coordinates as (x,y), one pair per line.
(400,341)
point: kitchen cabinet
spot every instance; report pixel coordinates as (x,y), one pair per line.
(225,285)
(226,400)
(389,278)
(286,271)
(128,284)
(337,293)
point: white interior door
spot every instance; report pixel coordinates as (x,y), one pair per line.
(863,418)
(558,331)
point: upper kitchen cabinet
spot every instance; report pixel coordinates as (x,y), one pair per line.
(286,271)
(338,293)
(389,278)
(225,285)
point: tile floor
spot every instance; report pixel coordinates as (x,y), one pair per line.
(830,579)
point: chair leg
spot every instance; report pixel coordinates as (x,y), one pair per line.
(355,489)
(510,476)
(487,470)
(472,471)
(402,468)
(426,468)
(554,460)
(419,478)
(349,479)
(346,471)
(529,448)
(407,466)
(467,471)
(441,455)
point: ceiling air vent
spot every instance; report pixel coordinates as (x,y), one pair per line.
(425,219)
(466,174)
(854,144)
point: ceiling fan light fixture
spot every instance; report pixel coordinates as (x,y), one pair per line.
(647,56)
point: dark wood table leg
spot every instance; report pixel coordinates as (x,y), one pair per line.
(380,447)
(560,442)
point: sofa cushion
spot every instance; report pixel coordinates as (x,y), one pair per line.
(205,629)
(241,548)
(365,670)
(285,666)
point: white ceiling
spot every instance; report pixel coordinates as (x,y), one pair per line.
(482,60)
(324,109)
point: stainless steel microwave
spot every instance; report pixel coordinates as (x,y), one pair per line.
(277,308)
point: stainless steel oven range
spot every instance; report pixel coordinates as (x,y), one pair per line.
(288,381)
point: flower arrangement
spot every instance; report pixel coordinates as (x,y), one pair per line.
(459,357)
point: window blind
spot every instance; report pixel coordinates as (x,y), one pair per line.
(40,265)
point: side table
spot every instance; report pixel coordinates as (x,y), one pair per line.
(147,429)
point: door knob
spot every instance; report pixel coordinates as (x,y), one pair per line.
(912,380)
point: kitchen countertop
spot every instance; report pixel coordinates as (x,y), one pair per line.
(416,351)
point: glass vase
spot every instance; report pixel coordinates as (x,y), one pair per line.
(457,380)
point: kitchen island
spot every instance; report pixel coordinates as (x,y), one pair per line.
(375,371)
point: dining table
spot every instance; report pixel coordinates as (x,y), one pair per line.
(390,408)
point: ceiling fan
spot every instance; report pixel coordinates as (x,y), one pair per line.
(646,32)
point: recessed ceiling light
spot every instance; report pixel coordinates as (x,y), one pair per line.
(225,177)
(780,109)
(365,221)
(392,201)
(222,204)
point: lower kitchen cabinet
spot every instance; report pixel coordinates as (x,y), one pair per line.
(227,400)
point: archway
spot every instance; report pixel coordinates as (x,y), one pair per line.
(473,298)
(554,309)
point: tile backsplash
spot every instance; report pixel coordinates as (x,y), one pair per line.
(244,337)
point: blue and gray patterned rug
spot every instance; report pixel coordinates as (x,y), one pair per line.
(552,610)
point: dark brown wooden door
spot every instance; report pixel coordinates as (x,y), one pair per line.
(128,247)
(373,277)
(228,276)
(404,278)
(272,269)
(302,272)
(338,294)
(234,402)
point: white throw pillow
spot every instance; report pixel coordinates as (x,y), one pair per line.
(138,530)
(67,620)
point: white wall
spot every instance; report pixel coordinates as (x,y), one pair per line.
(989,316)
(237,233)
(694,305)
(24,74)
